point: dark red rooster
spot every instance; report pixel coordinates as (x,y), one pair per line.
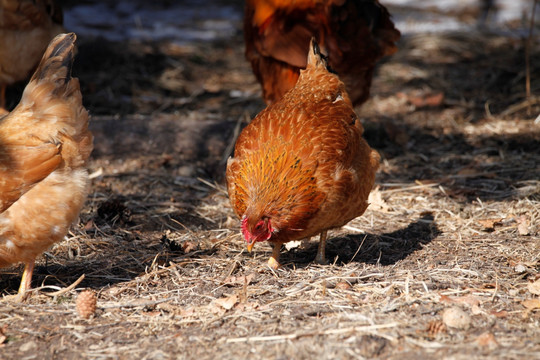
(354,34)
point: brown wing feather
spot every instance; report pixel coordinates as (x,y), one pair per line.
(19,173)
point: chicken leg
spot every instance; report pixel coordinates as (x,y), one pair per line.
(321,258)
(26,281)
(273,262)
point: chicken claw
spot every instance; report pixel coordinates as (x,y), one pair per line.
(273,262)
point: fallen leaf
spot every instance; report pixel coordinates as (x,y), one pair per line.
(247,306)
(523,226)
(343,285)
(489,224)
(475,310)
(189,246)
(500,314)
(487,340)
(3,335)
(445,298)
(376,202)
(190,312)
(469,300)
(534,287)
(228,302)
(89,225)
(531,304)
(239,280)
(425,100)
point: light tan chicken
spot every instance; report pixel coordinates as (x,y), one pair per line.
(301,167)
(355,34)
(26,27)
(44,145)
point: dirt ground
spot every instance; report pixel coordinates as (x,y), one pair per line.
(445,263)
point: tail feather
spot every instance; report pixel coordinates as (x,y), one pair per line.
(57,61)
(316,57)
(53,96)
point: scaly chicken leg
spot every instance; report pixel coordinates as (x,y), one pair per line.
(321,258)
(273,262)
(26,281)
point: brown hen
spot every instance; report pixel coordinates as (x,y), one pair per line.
(26,27)
(354,34)
(301,167)
(44,145)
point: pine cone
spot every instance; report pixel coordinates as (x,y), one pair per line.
(86,303)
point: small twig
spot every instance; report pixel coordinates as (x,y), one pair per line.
(96,173)
(213,186)
(132,305)
(314,333)
(64,290)
(359,247)
(533,100)
(409,188)
(496,288)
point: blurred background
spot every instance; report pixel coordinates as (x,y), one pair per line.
(456,202)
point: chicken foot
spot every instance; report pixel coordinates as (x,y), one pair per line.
(273,262)
(26,282)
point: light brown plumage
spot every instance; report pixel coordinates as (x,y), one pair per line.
(354,34)
(44,146)
(26,27)
(301,167)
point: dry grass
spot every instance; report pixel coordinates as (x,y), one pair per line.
(453,220)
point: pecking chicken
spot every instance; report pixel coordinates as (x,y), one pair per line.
(301,167)
(354,33)
(44,145)
(26,27)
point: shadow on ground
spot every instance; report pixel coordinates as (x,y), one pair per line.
(384,249)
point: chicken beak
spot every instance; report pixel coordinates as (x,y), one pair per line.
(250,246)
